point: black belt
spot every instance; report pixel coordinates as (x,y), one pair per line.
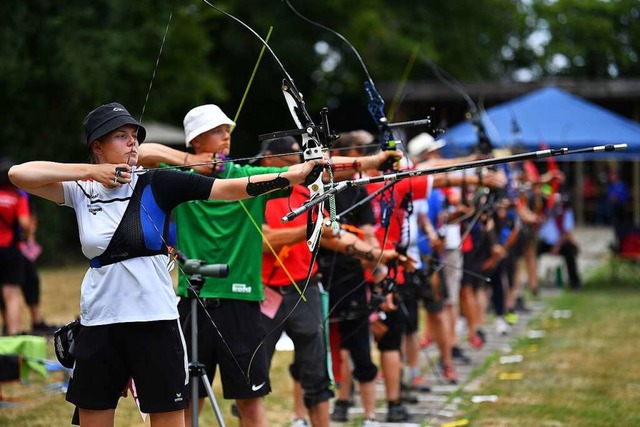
(290,289)
(210,302)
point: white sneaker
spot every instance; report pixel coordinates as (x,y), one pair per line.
(299,422)
(370,422)
(461,326)
(502,327)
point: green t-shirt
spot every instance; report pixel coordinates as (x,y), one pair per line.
(221,232)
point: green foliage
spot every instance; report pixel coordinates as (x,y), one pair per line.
(597,39)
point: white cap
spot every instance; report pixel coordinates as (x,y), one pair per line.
(203,118)
(423,143)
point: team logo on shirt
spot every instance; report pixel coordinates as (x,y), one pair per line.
(240,288)
(94,209)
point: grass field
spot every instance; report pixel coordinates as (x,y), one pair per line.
(584,372)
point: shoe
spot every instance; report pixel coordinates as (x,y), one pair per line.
(340,411)
(520,305)
(299,422)
(370,422)
(407,396)
(449,374)
(512,318)
(502,327)
(43,329)
(461,326)
(475,341)
(396,413)
(425,342)
(457,353)
(420,383)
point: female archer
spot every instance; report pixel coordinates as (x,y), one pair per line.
(128,314)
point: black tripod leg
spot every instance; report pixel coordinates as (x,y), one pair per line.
(212,398)
(197,371)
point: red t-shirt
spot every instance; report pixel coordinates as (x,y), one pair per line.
(419,187)
(297,257)
(12,206)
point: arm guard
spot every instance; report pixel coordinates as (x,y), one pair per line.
(258,188)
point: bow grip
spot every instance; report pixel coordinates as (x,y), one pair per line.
(388,164)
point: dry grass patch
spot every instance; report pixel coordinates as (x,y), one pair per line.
(40,408)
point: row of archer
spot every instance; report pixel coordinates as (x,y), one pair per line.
(348,284)
(218,232)
(343,270)
(288,269)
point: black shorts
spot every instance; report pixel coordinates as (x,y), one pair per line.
(473,275)
(355,337)
(11,266)
(31,285)
(422,286)
(244,367)
(152,353)
(392,339)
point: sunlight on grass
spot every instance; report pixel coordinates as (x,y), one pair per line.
(584,372)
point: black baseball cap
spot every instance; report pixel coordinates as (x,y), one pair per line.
(282,145)
(107,118)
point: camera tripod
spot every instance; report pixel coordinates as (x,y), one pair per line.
(196,369)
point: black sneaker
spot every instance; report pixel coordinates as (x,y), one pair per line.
(407,396)
(340,411)
(396,413)
(43,329)
(458,354)
(520,306)
(483,336)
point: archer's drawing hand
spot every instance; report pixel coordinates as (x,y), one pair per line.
(111,175)
(203,162)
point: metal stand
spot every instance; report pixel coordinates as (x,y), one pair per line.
(196,369)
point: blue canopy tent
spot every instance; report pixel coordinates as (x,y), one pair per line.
(557,119)
(553,117)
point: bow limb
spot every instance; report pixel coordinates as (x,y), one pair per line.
(397,98)
(317,138)
(314,142)
(312,138)
(157,64)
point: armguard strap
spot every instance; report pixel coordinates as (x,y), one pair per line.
(258,188)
